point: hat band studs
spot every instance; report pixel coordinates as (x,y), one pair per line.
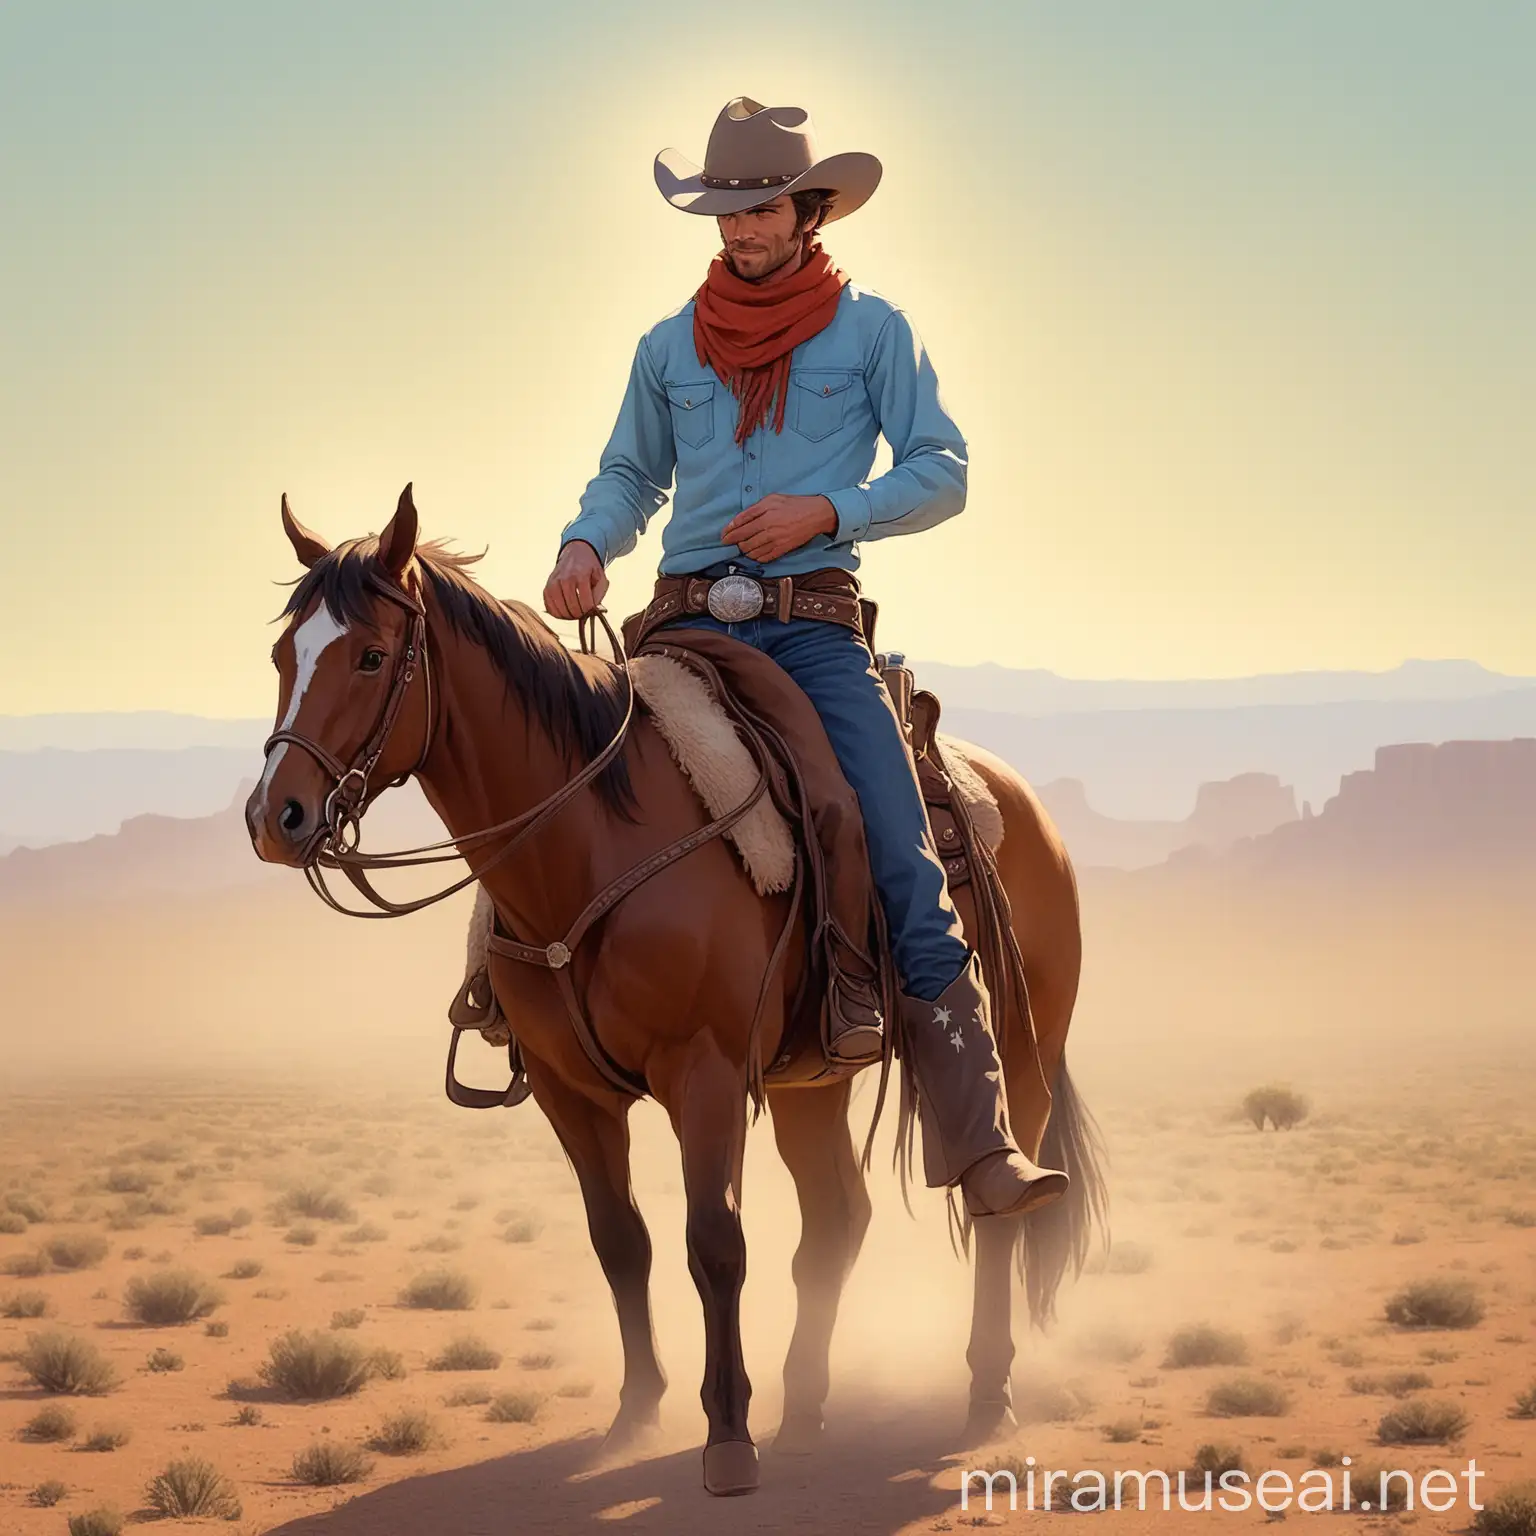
(724,183)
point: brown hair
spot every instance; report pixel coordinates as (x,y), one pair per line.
(812,205)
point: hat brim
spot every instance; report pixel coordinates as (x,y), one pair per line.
(851,177)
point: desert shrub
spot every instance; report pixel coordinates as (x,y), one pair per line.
(466,1353)
(1280,1106)
(317,1202)
(28,1206)
(325,1464)
(247,1416)
(156,1151)
(191,1487)
(378,1184)
(12,1225)
(387,1364)
(367,1232)
(60,1362)
(437,1245)
(302,1237)
(1520,1218)
(213,1226)
(1202,1344)
(1247,1397)
(1215,1459)
(1369,1487)
(46,1495)
(407,1433)
(1511,1512)
(24,1304)
(76,1250)
(353,1317)
(1393,1384)
(50,1425)
(1419,1422)
(1121,1431)
(1525,1404)
(216,1330)
(574,1389)
(25,1266)
(467,1397)
(1041,1399)
(170,1296)
(337,1276)
(514,1408)
(524,1230)
(107,1437)
(245,1269)
(163,1361)
(1436,1304)
(127,1181)
(316,1365)
(440,1290)
(538,1360)
(96,1522)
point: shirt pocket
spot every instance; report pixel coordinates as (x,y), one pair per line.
(693,412)
(818,400)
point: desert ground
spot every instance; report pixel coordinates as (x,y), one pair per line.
(1278,1299)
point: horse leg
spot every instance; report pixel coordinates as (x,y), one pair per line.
(810,1126)
(990,1352)
(708,1110)
(596,1138)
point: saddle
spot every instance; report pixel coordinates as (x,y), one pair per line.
(786,741)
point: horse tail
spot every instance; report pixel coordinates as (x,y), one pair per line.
(1058,1236)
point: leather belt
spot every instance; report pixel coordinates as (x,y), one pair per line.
(831,595)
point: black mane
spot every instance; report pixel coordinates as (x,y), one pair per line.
(578,711)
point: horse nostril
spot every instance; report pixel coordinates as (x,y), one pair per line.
(292,818)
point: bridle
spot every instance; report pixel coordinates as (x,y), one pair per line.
(335,842)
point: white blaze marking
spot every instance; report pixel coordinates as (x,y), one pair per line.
(309,642)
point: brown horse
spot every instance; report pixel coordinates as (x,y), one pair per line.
(393,653)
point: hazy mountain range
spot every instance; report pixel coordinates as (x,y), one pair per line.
(1139,750)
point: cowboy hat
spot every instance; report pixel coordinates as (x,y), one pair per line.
(758,153)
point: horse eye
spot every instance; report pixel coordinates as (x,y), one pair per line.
(373,659)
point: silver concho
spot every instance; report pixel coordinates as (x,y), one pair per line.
(734,599)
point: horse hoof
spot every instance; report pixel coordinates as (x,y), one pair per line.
(730,1467)
(626,1432)
(798,1436)
(986,1422)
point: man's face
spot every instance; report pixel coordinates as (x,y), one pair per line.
(760,240)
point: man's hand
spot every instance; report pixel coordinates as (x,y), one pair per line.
(577,584)
(777,524)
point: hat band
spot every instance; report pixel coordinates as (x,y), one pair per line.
(725,183)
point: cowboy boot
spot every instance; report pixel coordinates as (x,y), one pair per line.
(962,1102)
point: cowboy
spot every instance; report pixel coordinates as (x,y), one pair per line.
(763,397)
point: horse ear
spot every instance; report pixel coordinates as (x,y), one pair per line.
(398,541)
(309,547)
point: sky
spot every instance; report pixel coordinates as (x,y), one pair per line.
(1232,302)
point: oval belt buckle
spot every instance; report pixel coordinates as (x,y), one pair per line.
(734,599)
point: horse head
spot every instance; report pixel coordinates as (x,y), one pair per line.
(353,712)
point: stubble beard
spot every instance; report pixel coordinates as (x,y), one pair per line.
(790,249)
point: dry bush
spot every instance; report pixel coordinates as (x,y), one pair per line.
(1386,1495)
(25,1266)
(24,1304)
(353,1317)
(213,1226)
(1121,1431)
(245,1269)
(1212,1460)
(387,1364)
(170,1296)
(47,1494)
(162,1361)
(28,1206)
(1247,1397)
(1040,1399)
(1419,1422)
(574,1389)
(191,1488)
(59,1362)
(310,1366)
(317,1202)
(249,1415)
(514,1408)
(1436,1303)
(467,1397)
(1276,1104)
(12,1225)
(367,1232)
(96,1522)
(1392,1384)
(523,1230)
(1525,1404)
(216,1330)
(76,1250)
(437,1245)
(107,1437)
(466,1353)
(1201,1344)
(302,1237)
(441,1290)
(1511,1512)
(127,1181)
(50,1425)
(407,1433)
(326,1464)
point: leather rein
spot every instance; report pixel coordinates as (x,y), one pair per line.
(335,845)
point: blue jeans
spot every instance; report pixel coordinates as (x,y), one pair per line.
(833,665)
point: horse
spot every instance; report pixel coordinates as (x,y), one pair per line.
(394,661)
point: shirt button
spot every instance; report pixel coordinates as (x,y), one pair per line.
(749,487)
(826,389)
(750,454)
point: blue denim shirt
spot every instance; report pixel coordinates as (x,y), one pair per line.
(863,375)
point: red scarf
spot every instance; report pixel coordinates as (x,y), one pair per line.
(746,331)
